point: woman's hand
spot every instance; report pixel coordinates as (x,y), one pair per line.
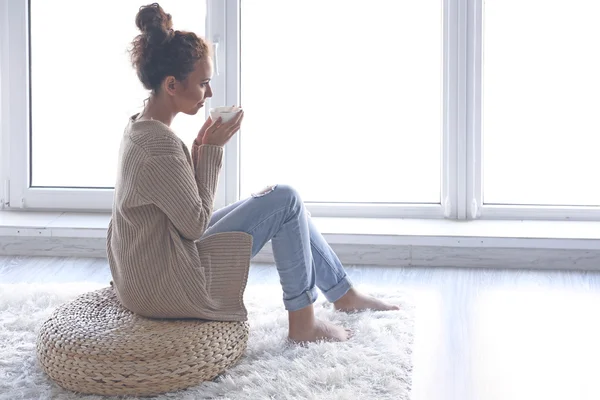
(218,133)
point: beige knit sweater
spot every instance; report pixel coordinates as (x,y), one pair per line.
(162,265)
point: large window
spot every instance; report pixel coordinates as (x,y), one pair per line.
(83,88)
(435,108)
(343,103)
(541,131)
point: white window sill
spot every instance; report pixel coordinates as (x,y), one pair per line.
(582,235)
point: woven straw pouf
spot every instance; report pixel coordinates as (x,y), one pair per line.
(94,345)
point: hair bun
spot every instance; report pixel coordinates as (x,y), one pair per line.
(159,51)
(154,22)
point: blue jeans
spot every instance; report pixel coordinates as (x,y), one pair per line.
(302,256)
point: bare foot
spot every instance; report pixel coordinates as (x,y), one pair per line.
(355,301)
(321,330)
(304,327)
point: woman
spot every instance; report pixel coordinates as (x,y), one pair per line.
(170,255)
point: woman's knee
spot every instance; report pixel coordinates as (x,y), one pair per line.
(280,194)
(288,192)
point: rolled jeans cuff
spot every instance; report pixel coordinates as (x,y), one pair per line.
(299,302)
(335,293)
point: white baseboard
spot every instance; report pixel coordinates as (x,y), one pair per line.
(351,254)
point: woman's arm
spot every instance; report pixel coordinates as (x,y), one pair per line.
(186,198)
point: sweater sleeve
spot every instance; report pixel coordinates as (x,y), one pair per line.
(186,198)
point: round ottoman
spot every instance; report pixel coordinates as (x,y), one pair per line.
(94,345)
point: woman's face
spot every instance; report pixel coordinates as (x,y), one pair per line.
(191,94)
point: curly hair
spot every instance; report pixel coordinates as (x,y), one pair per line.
(159,51)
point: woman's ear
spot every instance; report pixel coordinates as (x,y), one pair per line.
(169,85)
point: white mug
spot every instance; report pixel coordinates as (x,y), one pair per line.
(226,113)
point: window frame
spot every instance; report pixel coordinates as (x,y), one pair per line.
(4,106)
(478,208)
(224,26)
(17,118)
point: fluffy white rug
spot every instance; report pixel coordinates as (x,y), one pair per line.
(374,364)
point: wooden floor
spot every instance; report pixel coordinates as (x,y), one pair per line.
(480,334)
